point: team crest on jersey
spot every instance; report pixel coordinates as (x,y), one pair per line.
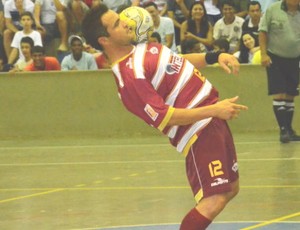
(175,65)
(151,112)
(153,50)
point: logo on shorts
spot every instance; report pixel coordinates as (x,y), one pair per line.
(219,181)
(235,167)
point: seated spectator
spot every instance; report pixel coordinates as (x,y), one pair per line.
(2,23)
(95,3)
(213,11)
(229,27)
(192,46)
(78,59)
(12,12)
(240,7)
(161,5)
(155,37)
(221,45)
(163,25)
(252,22)
(178,12)
(26,47)
(51,23)
(27,22)
(265,4)
(115,4)
(41,62)
(249,52)
(197,26)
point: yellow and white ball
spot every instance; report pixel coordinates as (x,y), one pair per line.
(140,21)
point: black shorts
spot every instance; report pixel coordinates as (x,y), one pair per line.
(283,75)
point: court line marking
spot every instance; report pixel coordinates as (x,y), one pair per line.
(117,145)
(269,222)
(31,195)
(177,224)
(134,162)
(135,188)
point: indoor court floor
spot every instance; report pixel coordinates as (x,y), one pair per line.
(139,183)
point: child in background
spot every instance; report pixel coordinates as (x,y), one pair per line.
(26,47)
(27,23)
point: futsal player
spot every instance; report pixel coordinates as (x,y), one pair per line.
(169,93)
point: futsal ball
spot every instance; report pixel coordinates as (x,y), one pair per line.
(140,21)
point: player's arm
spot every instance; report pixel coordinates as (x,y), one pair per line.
(226,110)
(227,61)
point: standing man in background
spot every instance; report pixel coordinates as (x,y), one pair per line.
(279,39)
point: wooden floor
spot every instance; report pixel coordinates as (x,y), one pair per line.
(139,184)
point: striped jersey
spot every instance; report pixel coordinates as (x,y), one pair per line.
(152,81)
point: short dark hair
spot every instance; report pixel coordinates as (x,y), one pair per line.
(222,43)
(157,36)
(148,4)
(27,40)
(253,3)
(27,13)
(38,49)
(92,27)
(227,2)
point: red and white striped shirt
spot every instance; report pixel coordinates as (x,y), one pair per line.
(152,81)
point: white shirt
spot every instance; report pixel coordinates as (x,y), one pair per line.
(232,32)
(48,11)
(166,27)
(16,42)
(10,9)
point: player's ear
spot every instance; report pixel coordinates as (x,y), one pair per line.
(102,40)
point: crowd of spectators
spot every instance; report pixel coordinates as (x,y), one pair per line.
(27,27)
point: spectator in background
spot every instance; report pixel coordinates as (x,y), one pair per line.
(265,4)
(197,26)
(12,11)
(249,52)
(78,59)
(41,62)
(240,7)
(115,4)
(50,22)
(163,25)
(252,22)
(279,40)
(155,37)
(26,47)
(178,12)
(2,22)
(221,45)
(3,57)
(161,5)
(213,11)
(230,26)
(95,3)
(27,23)
(192,46)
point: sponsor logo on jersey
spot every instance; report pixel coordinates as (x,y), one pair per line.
(151,112)
(175,65)
(219,181)
(235,167)
(153,50)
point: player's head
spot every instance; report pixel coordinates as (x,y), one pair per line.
(102,28)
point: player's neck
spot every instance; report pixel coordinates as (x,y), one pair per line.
(116,53)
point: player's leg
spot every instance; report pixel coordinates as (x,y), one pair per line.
(213,174)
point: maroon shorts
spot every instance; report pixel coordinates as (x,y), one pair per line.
(211,164)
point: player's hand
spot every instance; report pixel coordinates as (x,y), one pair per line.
(229,63)
(228,109)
